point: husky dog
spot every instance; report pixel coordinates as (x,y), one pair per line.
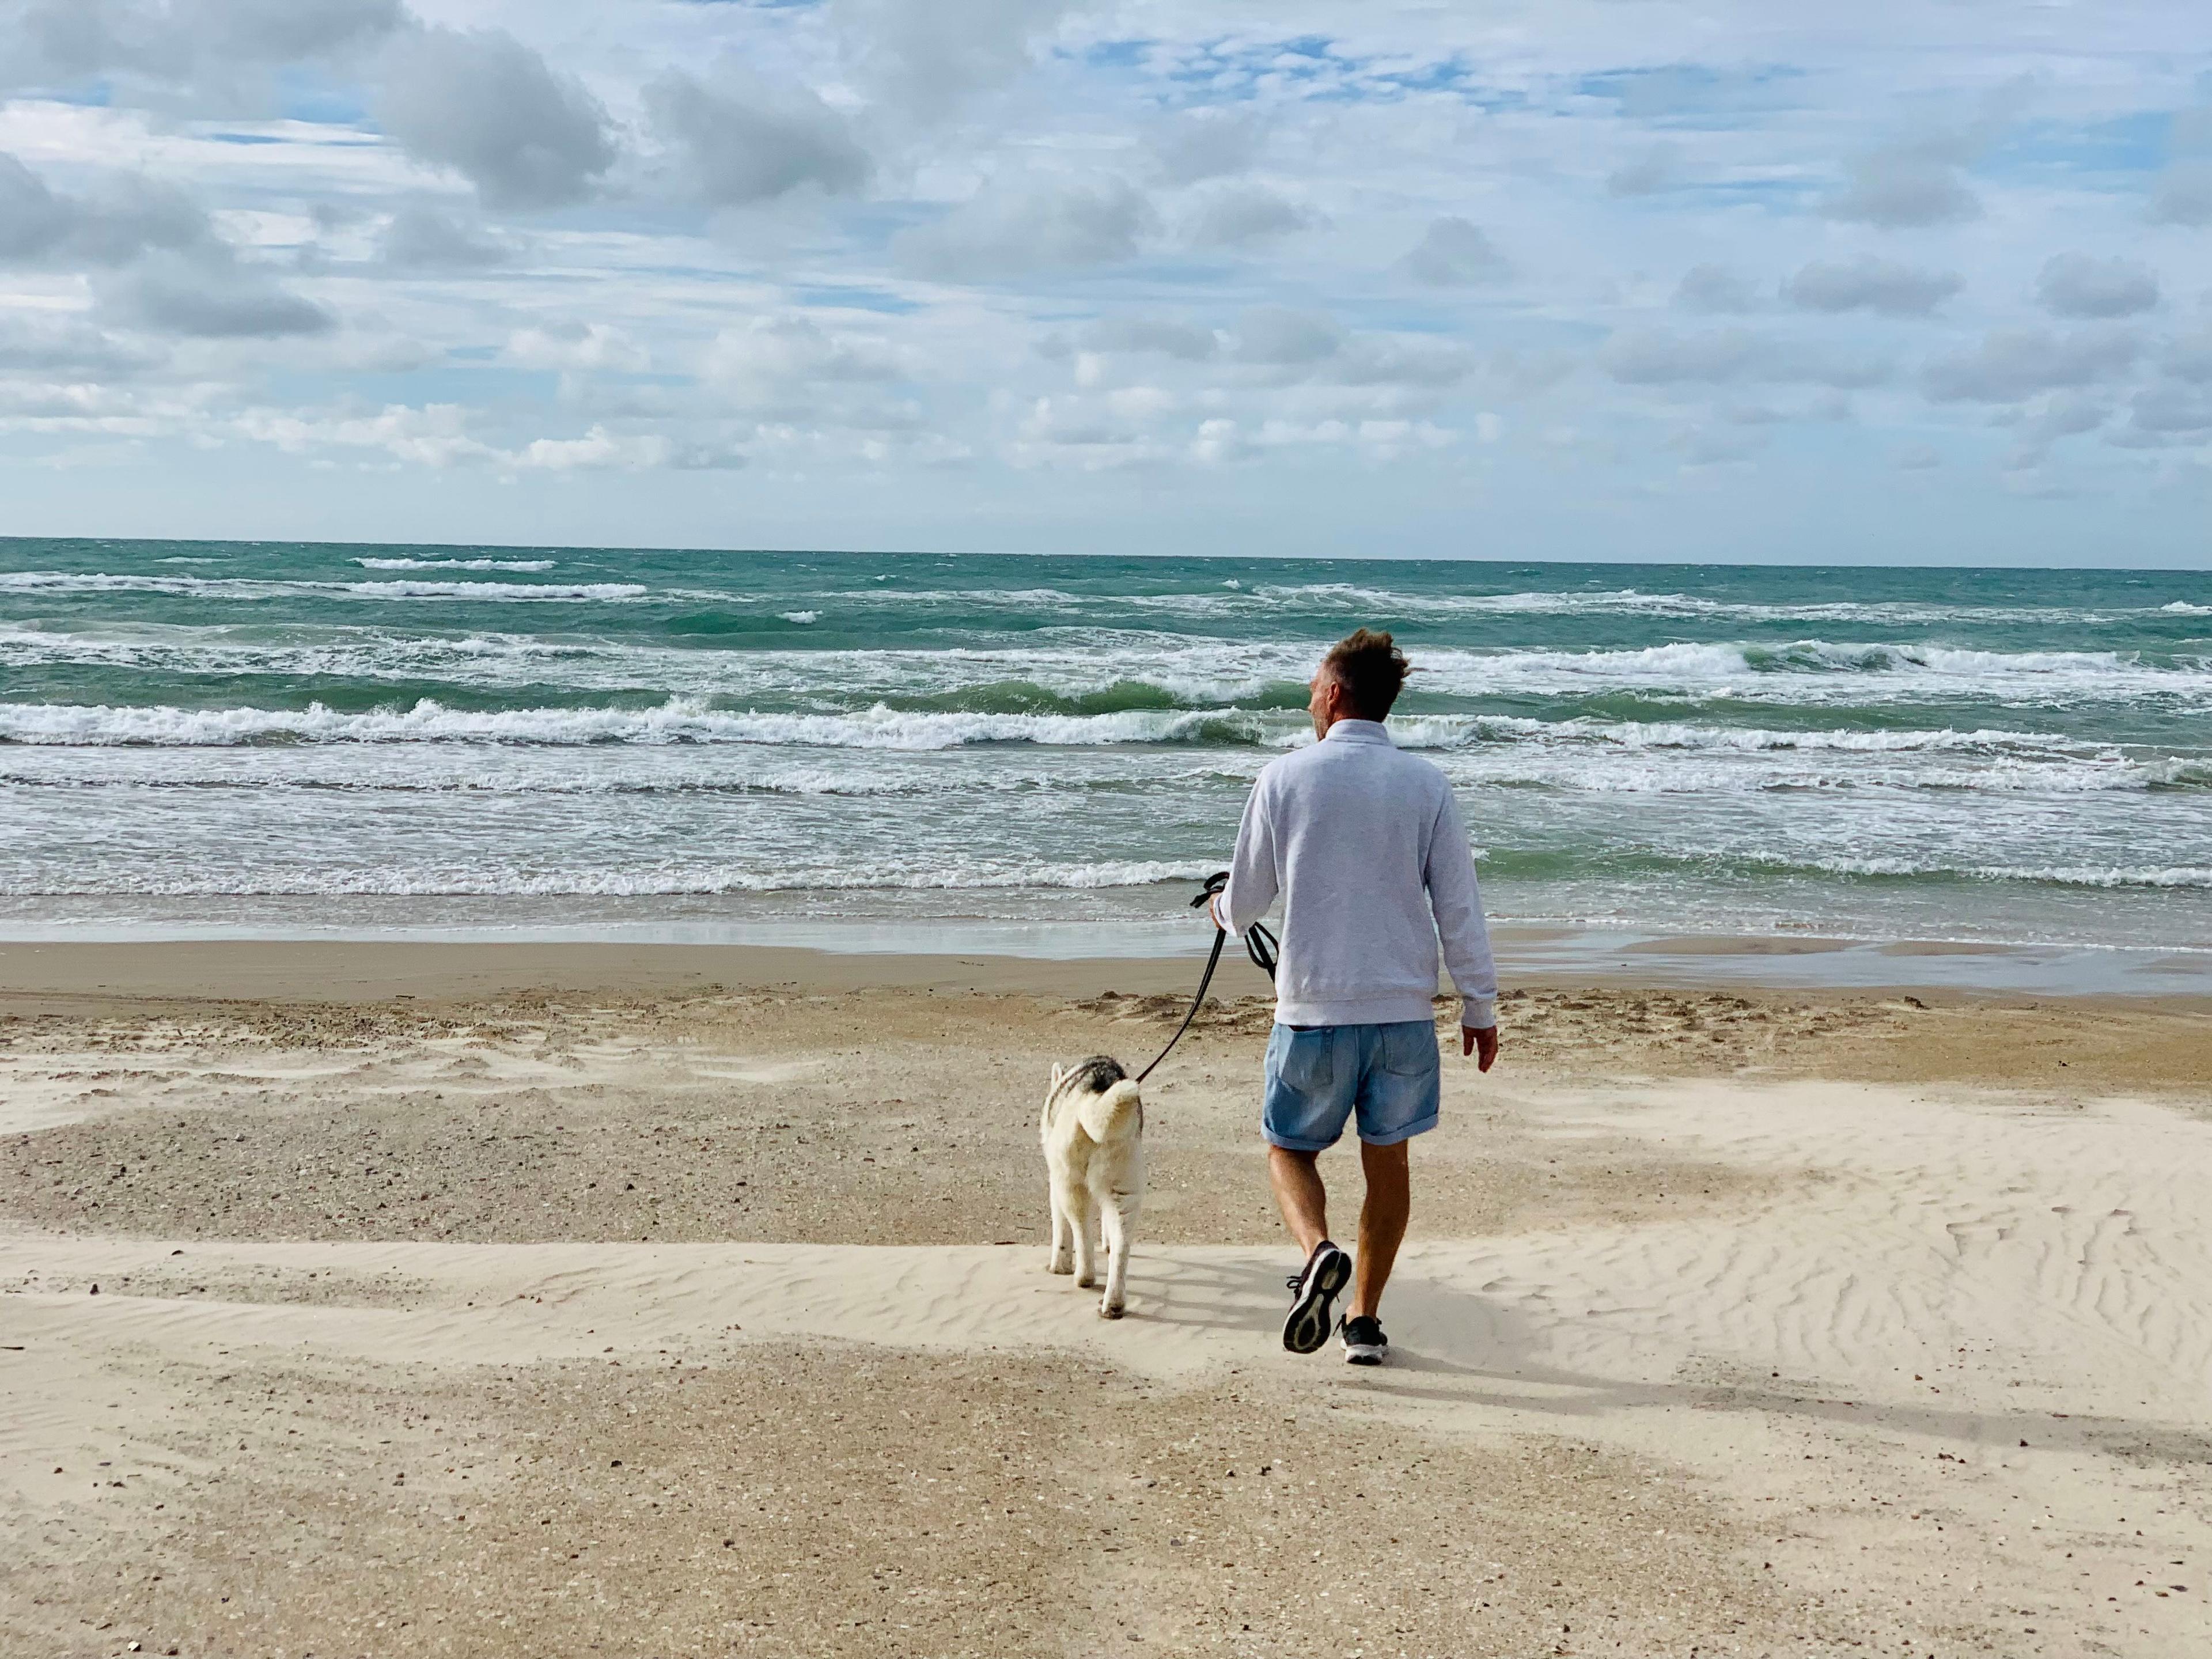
(1094,1154)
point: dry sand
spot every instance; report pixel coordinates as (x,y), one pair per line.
(572,1306)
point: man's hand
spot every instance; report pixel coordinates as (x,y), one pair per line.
(1481,1042)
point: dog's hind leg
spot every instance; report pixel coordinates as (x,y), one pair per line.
(1062,1259)
(1117,1216)
(1081,1222)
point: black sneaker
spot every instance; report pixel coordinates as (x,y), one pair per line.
(1363,1342)
(1313,1291)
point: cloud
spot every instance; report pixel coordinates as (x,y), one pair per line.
(2172,410)
(176,41)
(927,60)
(745,140)
(424,234)
(2081,285)
(1207,143)
(1713,289)
(1278,337)
(790,367)
(487,106)
(570,346)
(1371,360)
(213,299)
(127,217)
(35,343)
(2190,357)
(1454,252)
(1907,186)
(2007,368)
(598,450)
(1658,169)
(1185,341)
(2184,195)
(1652,358)
(1015,227)
(285,31)
(2050,417)
(1871,285)
(1919,457)
(1729,356)
(1237,215)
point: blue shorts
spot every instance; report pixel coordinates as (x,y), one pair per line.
(1317,1077)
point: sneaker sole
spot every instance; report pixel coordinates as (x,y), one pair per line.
(1362,1354)
(1310,1320)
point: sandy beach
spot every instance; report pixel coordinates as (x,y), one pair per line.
(633,1300)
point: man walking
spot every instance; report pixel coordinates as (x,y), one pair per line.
(1364,846)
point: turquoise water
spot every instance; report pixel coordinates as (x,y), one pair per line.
(278,737)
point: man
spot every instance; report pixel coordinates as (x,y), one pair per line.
(1364,846)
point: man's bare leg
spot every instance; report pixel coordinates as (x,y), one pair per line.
(1299,1194)
(1382,1220)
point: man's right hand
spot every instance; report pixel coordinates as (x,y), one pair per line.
(1482,1043)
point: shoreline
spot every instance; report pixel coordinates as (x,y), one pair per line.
(368,970)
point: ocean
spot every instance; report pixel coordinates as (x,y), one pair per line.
(1043,753)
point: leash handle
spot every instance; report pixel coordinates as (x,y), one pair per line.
(1258,944)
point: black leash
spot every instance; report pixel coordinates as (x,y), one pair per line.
(1258,944)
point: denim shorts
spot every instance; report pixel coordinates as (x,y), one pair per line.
(1317,1077)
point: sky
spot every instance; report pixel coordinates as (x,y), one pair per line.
(1908,281)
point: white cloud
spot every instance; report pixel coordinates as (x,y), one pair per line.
(122,216)
(1655,357)
(1238,215)
(2184,195)
(2173,410)
(427,234)
(596,450)
(573,346)
(1282,337)
(213,299)
(2009,366)
(930,59)
(2082,285)
(1151,334)
(1656,169)
(745,140)
(135,45)
(1015,227)
(1207,143)
(1715,288)
(1870,285)
(1909,186)
(433,435)
(1454,252)
(489,107)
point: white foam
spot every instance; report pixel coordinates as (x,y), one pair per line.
(668,878)
(457,564)
(495,592)
(680,719)
(67,581)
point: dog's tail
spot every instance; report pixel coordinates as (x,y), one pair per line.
(1110,1116)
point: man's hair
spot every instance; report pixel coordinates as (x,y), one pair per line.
(1372,670)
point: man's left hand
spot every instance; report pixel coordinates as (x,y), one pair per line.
(1482,1043)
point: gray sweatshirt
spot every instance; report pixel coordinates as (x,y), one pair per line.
(1363,844)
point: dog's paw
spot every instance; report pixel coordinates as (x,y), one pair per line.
(1110,1309)
(1060,1264)
(1086,1281)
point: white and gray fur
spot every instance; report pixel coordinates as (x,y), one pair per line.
(1094,1155)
